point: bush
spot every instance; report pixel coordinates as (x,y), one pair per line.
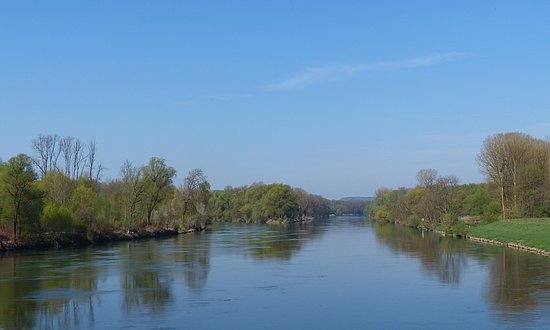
(57,218)
(413,221)
(448,220)
(458,229)
(381,215)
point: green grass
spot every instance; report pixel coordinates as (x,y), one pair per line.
(529,232)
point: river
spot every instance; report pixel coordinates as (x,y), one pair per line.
(343,273)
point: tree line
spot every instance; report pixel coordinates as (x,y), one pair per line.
(517,171)
(262,202)
(59,190)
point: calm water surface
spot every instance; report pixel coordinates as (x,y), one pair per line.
(345,273)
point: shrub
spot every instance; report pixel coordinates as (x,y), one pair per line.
(458,229)
(57,218)
(448,220)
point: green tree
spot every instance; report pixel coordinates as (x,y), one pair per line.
(84,202)
(252,209)
(58,187)
(21,193)
(280,202)
(133,192)
(57,218)
(158,179)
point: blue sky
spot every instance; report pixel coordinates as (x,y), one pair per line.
(338,99)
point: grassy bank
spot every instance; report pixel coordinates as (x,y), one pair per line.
(533,233)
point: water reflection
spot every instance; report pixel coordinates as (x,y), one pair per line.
(442,257)
(195,258)
(145,284)
(517,281)
(161,280)
(281,242)
(52,294)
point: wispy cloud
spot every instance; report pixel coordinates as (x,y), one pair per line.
(312,76)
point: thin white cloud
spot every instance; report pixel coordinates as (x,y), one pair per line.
(312,76)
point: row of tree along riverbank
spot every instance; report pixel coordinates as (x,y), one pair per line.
(517,169)
(56,197)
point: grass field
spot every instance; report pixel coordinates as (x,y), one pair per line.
(528,232)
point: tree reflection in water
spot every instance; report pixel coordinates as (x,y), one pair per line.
(440,256)
(194,258)
(280,242)
(146,282)
(517,281)
(34,293)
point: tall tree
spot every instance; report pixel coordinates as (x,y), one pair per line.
(518,165)
(158,179)
(89,165)
(66,147)
(494,164)
(426,177)
(133,191)
(194,193)
(47,148)
(18,182)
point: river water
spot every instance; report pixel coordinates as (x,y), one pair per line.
(343,273)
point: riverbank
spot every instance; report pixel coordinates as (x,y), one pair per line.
(285,221)
(531,235)
(57,240)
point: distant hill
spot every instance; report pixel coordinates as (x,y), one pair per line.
(356,198)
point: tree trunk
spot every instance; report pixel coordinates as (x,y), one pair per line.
(15,228)
(149,216)
(502,201)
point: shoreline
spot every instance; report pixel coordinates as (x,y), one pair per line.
(61,240)
(289,221)
(466,236)
(515,246)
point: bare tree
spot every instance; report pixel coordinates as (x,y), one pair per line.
(74,156)
(494,164)
(517,151)
(506,159)
(79,159)
(426,177)
(440,200)
(91,159)
(192,196)
(48,152)
(66,147)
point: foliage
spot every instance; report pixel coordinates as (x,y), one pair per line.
(57,218)
(21,198)
(437,202)
(157,178)
(280,202)
(190,201)
(516,166)
(260,202)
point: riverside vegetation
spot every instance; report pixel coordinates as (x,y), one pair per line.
(57,197)
(517,169)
